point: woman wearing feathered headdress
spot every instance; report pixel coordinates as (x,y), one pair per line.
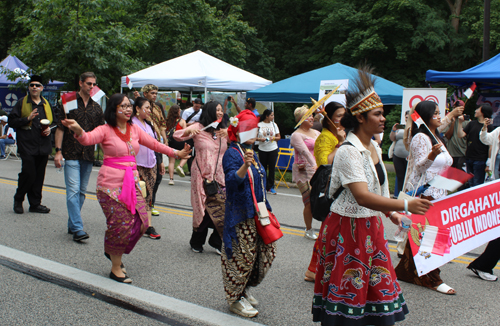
(355,281)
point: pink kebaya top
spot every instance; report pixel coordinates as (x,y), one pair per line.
(110,179)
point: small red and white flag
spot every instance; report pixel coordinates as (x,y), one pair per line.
(213,124)
(69,101)
(450,179)
(129,82)
(248,129)
(470,91)
(96,93)
(436,241)
(417,119)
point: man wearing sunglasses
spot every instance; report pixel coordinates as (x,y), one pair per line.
(79,159)
(33,145)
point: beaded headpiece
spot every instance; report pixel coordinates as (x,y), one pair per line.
(363,98)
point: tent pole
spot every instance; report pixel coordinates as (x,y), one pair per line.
(205,89)
(121,90)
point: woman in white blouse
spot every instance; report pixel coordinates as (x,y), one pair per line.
(355,281)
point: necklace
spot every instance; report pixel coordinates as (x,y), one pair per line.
(123,136)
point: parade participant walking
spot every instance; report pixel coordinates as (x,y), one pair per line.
(328,142)
(145,158)
(210,144)
(268,137)
(428,157)
(159,123)
(355,281)
(118,190)
(245,258)
(304,165)
(78,159)
(33,145)
(174,123)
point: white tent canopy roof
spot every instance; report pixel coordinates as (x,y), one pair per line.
(196,71)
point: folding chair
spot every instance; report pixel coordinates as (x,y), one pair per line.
(283,163)
(11,149)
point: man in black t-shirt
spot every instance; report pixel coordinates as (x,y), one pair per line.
(477,153)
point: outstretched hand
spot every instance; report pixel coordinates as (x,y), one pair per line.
(72,125)
(419,206)
(184,153)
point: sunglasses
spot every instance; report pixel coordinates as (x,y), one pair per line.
(35,85)
(90,84)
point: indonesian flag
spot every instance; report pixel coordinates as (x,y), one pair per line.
(213,124)
(436,241)
(129,82)
(470,91)
(450,179)
(417,119)
(248,129)
(69,101)
(96,93)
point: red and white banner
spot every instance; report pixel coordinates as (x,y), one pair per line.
(96,93)
(248,129)
(69,101)
(472,216)
(411,97)
(129,82)
(450,179)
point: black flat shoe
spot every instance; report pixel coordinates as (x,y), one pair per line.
(39,209)
(125,279)
(121,266)
(18,207)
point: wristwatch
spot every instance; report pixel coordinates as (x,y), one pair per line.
(58,149)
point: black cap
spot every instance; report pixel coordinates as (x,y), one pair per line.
(197,101)
(36,78)
(251,100)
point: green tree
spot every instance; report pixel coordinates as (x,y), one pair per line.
(68,37)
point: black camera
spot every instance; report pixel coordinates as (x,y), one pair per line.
(466,117)
(229,98)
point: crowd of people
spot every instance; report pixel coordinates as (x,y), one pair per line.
(351,281)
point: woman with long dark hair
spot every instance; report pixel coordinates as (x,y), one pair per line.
(268,137)
(355,281)
(210,144)
(174,123)
(118,190)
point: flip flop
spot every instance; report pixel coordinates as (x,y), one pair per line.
(445,289)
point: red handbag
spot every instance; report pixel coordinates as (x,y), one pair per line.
(270,232)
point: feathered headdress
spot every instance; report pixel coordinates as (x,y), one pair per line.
(363,97)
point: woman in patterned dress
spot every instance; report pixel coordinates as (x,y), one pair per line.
(118,190)
(174,123)
(355,281)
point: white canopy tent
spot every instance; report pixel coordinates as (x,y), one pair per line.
(196,72)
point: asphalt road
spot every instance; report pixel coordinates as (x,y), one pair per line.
(170,270)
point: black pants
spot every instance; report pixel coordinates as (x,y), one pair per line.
(199,236)
(489,258)
(190,142)
(400,165)
(31,178)
(159,160)
(268,161)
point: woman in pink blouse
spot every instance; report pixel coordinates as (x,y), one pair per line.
(210,144)
(304,165)
(118,189)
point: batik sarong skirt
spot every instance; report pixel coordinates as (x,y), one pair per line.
(355,281)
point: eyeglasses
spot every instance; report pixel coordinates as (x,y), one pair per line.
(35,85)
(90,84)
(125,106)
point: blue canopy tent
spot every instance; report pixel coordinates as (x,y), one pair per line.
(300,88)
(486,75)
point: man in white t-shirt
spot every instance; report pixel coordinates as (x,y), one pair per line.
(193,114)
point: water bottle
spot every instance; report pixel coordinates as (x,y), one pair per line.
(61,169)
(400,234)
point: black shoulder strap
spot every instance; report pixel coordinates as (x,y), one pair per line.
(341,188)
(191,116)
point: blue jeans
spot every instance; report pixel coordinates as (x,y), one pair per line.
(3,142)
(476,168)
(76,176)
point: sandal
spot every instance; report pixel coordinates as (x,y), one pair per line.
(125,279)
(309,276)
(121,266)
(445,289)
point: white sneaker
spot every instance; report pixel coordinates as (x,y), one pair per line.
(310,234)
(243,308)
(483,275)
(171,182)
(251,299)
(180,171)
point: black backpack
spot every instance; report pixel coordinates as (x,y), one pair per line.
(320,184)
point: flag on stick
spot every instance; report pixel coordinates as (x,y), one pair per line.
(450,179)
(129,82)
(248,129)
(417,119)
(213,124)
(470,91)
(96,93)
(436,240)
(69,101)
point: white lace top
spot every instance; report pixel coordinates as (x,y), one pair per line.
(354,164)
(420,165)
